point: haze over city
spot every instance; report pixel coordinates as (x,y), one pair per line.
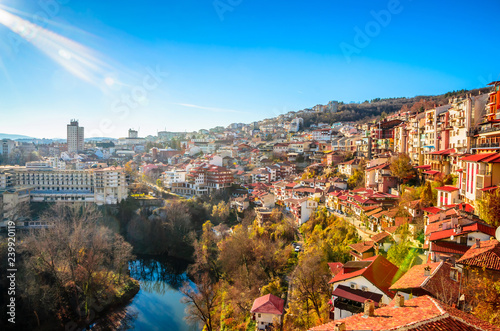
(187,65)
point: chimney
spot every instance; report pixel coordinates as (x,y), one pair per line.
(427,271)
(339,326)
(478,243)
(399,301)
(369,308)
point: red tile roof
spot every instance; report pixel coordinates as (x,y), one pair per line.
(474,227)
(479,157)
(268,304)
(423,167)
(422,314)
(431,210)
(380,273)
(447,188)
(443,152)
(486,256)
(335,267)
(449,247)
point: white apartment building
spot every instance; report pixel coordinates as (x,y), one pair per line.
(75,137)
(46,184)
(110,185)
(173,176)
(460,122)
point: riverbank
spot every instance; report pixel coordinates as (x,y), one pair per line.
(158,302)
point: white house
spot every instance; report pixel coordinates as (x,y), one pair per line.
(447,195)
(361,280)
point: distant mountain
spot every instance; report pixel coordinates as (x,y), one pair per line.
(13,136)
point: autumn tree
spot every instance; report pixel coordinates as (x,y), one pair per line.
(482,294)
(426,197)
(201,302)
(220,212)
(489,207)
(402,254)
(74,264)
(401,167)
(357,179)
(310,290)
(206,254)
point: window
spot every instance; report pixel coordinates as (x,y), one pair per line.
(258,315)
(454,274)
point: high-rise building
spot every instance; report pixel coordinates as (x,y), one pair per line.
(75,137)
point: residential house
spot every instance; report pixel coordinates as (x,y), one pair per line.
(482,172)
(483,255)
(267,310)
(438,279)
(447,195)
(361,280)
(301,209)
(347,168)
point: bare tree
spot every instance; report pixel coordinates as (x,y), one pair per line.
(201,301)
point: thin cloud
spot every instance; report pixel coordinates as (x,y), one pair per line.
(212,109)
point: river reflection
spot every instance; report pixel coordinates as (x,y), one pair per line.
(157,306)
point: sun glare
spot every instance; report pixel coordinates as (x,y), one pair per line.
(74,57)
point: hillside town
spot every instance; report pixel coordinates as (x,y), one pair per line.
(427,176)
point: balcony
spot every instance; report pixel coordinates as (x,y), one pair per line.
(484,130)
(484,172)
(486,145)
(482,182)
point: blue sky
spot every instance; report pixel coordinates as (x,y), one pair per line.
(224,61)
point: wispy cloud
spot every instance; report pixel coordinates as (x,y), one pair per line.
(212,109)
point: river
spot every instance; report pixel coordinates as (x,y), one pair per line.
(157,305)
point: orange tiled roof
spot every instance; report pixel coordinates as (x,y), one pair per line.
(380,236)
(486,256)
(422,314)
(363,246)
(380,273)
(335,267)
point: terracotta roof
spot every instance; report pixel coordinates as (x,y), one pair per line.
(268,304)
(391,229)
(374,211)
(380,236)
(380,273)
(449,247)
(422,314)
(335,267)
(362,246)
(431,172)
(437,217)
(415,278)
(486,256)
